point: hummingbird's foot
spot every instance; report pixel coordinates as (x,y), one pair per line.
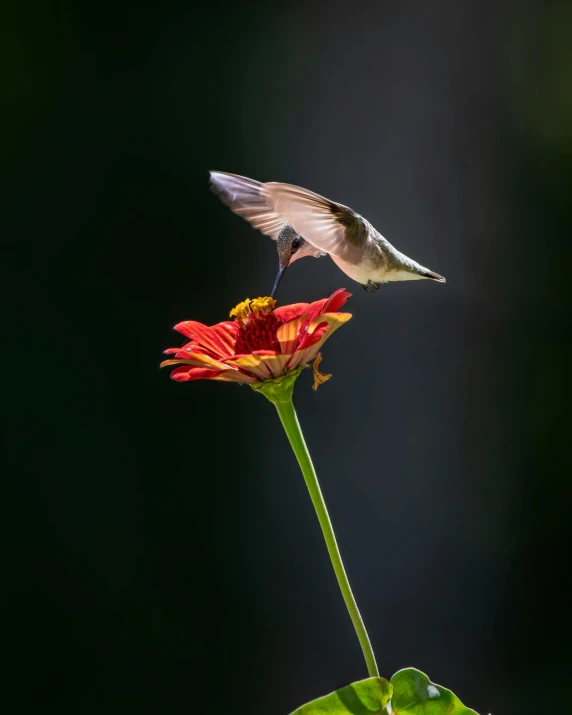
(370,286)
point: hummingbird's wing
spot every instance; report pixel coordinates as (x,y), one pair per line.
(246,197)
(331,227)
(328,226)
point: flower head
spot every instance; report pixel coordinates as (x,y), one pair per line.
(261,343)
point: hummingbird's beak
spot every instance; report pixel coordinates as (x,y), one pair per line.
(281,271)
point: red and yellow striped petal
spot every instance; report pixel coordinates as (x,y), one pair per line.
(327,305)
(277,364)
(196,360)
(311,336)
(253,364)
(334,321)
(288,334)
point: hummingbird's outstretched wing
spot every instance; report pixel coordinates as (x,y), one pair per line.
(247,199)
(330,227)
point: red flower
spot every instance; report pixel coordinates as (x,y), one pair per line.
(261,342)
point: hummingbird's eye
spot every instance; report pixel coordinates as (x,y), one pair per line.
(296,243)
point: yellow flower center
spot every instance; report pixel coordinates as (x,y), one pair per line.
(257,307)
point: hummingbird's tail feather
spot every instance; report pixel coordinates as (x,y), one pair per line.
(426,273)
(246,198)
(403,268)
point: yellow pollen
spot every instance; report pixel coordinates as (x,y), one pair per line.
(257,306)
(319,377)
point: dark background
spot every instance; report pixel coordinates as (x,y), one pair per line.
(161,551)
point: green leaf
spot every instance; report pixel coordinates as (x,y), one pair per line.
(415,694)
(362,698)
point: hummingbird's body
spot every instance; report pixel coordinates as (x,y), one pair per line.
(380,262)
(287,213)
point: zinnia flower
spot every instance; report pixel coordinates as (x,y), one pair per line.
(261,343)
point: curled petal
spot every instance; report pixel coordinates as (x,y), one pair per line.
(319,377)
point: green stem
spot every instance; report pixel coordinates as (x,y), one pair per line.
(289,420)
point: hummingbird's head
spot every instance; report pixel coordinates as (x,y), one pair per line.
(290,246)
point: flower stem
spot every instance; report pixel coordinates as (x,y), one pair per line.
(289,420)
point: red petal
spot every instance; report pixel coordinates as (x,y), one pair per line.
(289,312)
(219,339)
(192,347)
(337,299)
(227,332)
(187,349)
(309,338)
(328,305)
(333,321)
(316,308)
(186,374)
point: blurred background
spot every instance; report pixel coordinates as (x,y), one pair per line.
(161,552)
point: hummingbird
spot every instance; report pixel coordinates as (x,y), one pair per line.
(306,224)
